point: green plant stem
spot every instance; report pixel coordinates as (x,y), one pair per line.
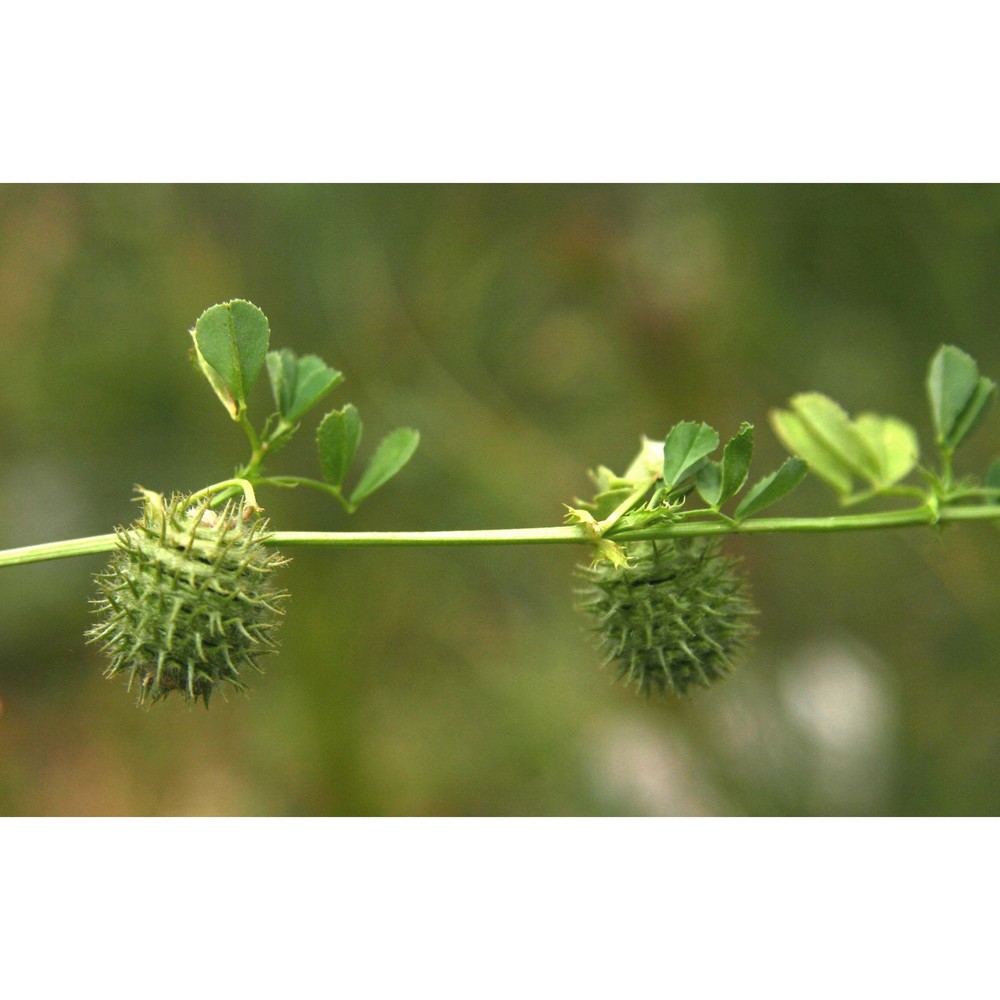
(624,507)
(225,489)
(974,493)
(574,534)
(947,477)
(58,550)
(257,453)
(292,481)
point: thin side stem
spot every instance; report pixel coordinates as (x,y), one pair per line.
(624,507)
(256,451)
(293,481)
(226,489)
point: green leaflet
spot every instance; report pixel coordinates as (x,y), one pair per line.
(736,458)
(392,453)
(973,413)
(772,488)
(298,384)
(958,396)
(894,444)
(831,426)
(718,482)
(230,343)
(686,446)
(337,439)
(796,435)
(709,483)
(877,450)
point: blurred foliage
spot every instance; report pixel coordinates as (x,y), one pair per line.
(530,333)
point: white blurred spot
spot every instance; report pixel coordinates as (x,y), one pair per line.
(649,772)
(833,694)
(836,697)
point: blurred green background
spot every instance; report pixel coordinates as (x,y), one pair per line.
(531,333)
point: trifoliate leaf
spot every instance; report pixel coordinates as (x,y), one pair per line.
(877,450)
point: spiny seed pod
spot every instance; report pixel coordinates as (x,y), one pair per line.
(186,601)
(673,617)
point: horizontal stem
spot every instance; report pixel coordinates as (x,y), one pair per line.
(57,550)
(555,535)
(488,536)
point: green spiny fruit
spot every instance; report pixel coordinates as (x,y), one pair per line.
(674,616)
(186,602)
